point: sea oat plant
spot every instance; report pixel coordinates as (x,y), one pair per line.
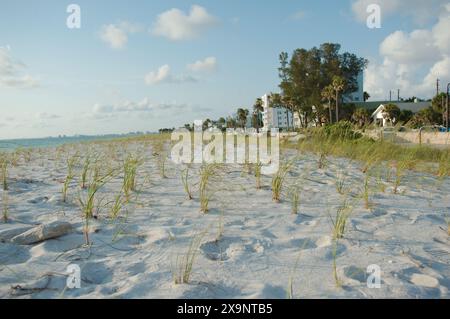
(278,181)
(340,183)
(4,168)
(130,168)
(161,157)
(366,190)
(185,182)
(71,162)
(339,222)
(294,193)
(5,208)
(88,201)
(258,167)
(185,263)
(85,171)
(206,172)
(337,280)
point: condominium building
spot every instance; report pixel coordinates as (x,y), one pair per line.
(275,116)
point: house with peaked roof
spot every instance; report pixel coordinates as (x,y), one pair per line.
(378,116)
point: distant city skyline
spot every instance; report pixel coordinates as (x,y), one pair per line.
(156,64)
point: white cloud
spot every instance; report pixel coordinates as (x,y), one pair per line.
(207,65)
(175,25)
(159,76)
(116,35)
(163,75)
(415,47)
(421,11)
(12,72)
(412,61)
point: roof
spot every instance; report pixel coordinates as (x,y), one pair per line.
(410,106)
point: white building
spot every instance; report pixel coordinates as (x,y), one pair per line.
(275,117)
(380,120)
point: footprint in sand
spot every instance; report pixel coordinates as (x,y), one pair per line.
(303,243)
(13,254)
(217,250)
(38,200)
(95,273)
(227,248)
(340,250)
(355,273)
(310,223)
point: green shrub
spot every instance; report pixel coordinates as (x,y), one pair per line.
(341,130)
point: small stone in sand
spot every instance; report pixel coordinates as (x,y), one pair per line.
(424,281)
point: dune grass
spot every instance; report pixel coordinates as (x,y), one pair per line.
(185,182)
(294,194)
(400,172)
(337,280)
(339,222)
(206,172)
(161,156)
(366,191)
(278,181)
(182,271)
(258,168)
(340,182)
(85,171)
(117,206)
(71,162)
(130,168)
(368,151)
(4,169)
(5,207)
(88,201)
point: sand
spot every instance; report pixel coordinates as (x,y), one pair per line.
(251,247)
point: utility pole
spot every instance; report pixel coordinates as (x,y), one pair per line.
(447,115)
(444,116)
(398,95)
(390,95)
(437,87)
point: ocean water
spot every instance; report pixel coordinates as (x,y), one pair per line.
(11,145)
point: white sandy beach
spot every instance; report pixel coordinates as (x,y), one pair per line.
(263,247)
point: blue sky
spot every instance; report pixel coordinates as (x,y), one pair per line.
(139,66)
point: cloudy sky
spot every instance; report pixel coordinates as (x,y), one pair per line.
(161,63)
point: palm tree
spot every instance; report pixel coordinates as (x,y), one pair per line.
(207,124)
(242,116)
(338,86)
(361,116)
(328,95)
(258,108)
(221,122)
(231,122)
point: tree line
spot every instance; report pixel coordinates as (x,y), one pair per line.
(313,84)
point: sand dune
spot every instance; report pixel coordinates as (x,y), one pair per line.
(250,246)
